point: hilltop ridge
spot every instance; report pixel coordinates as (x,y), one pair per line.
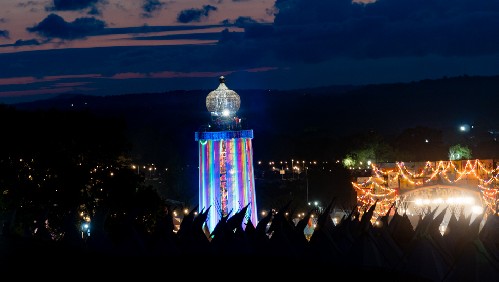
(295,122)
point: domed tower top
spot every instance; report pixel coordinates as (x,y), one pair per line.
(223,102)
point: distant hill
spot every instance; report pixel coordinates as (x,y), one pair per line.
(305,123)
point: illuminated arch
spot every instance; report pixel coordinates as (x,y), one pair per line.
(390,182)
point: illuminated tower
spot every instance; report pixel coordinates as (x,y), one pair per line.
(226,177)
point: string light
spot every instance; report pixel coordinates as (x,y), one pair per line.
(375,188)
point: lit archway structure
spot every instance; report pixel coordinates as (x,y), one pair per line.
(453,198)
(469,184)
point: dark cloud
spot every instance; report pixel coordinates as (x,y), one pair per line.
(113,60)
(327,42)
(28,4)
(327,29)
(321,11)
(240,21)
(4,33)
(71,5)
(29,42)
(151,6)
(76,5)
(193,36)
(195,15)
(94,11)
(149,29)
(22,42)
(54,26)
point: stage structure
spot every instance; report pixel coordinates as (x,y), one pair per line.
(226,176)
(416,187)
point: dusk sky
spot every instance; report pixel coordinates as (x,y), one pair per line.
(110,47)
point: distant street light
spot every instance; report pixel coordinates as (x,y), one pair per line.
(136,167)
(464,128)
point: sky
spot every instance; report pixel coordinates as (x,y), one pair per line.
(112,47)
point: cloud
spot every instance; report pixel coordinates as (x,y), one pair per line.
(187,36)
(32,4)
(195,15)
(329,42)
(114,60)
(22,42)
(151,6)
(328,29)
(94,11)
(54,26)
(4,33)
(129,75)
(31,79)
(240,21)
(77,5)
(29,42)
(14,95)
(152,29)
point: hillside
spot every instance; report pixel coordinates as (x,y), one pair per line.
(308,123)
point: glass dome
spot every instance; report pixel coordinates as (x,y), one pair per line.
(223,102)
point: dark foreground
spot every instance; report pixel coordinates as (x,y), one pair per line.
(30,259)
(276,248)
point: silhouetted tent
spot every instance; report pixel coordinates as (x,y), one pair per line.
(489,235)
(191,236)
(286,242)
(231,240)
(260,239)
(389,250)
(163,241)
(474,263)
(453,232)
(385,242)
(322,244)
(186,225)
(401,230)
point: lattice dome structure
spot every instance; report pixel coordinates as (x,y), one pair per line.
(223,102)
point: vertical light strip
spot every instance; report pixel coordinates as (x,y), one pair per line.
(235,175)
(212,186)
(247,184)
(248,175)
(243,191)
(202,174)
(251,181)
(209,172)
(230,176)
